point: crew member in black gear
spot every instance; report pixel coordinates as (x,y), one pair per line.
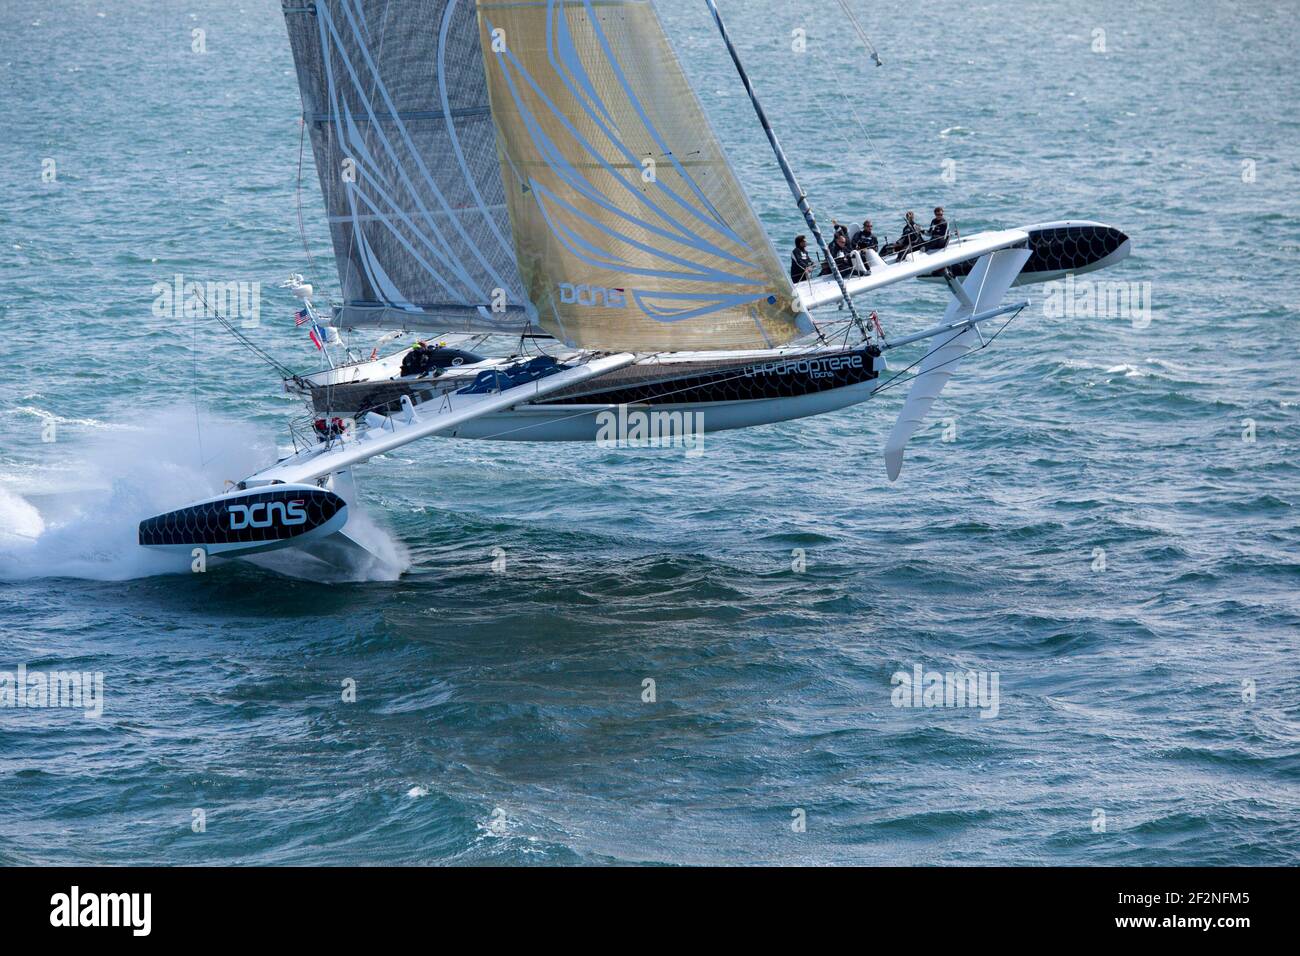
(938,230)
(418,360)
(912,238)
(801,264)
(864,241)
(864,238)
(842,255)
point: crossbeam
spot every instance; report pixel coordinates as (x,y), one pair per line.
(965,323)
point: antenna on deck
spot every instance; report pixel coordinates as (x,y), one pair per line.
(303,291)
(298,288)
(801,198)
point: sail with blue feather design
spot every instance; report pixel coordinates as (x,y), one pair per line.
(502,166)
(631,229)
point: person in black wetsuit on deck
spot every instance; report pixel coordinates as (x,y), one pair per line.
(801,264)
(912,238)
(864,238)
(938,230)
(842,255)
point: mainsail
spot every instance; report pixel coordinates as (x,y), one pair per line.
(630,227)
(395,99)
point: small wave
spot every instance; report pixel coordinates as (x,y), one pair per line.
(1168,366)
(48,416)
(936,823)
(1078,710)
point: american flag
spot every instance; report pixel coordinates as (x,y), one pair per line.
(300,317)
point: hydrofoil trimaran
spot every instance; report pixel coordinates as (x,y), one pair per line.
(542,173)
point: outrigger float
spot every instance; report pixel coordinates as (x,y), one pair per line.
(492,170)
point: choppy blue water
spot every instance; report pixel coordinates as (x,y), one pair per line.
(499,717)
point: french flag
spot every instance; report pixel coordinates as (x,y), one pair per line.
(317,337)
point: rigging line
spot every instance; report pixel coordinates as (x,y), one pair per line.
(983,345)
(244,340)
(895,192)
(862,34)
(302,229)
(894,380)
(194,384)
(848,328)
(834,124)
(801,198)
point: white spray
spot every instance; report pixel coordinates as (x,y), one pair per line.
(50,528)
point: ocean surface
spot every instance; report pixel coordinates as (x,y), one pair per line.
(1111,531)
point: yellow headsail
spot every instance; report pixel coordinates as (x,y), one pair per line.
(630,229)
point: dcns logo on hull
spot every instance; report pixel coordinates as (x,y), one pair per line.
(263,514)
